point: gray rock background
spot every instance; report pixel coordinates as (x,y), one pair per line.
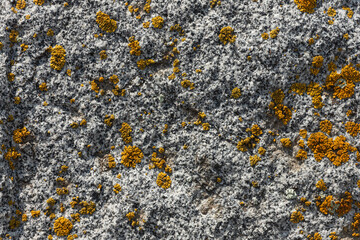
(196,206)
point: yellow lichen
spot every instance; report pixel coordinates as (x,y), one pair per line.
(163,180)
(286,142)
(265,36)
(331,12)
(298,88)
(142,63)
(39,2)
(316,64)
(125,132)
(157,22)
(62,226)
(20,4)
(11,77)
(326,126)
(105,22)
(131,156)
(226,35)
(235,93)
(342,83)
(301,154)
(43,87)
(296,217)
(57,60)
(103,55)
(109,119)
(13,36)
(274,32)
(321,185)
(111,161)
(350,13)
(352,128)
(261,151)
(254,160)
(20,134)
(306,5)
(134,46)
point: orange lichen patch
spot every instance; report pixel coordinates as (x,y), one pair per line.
(321,185)
(306,5)
(206,126)
(50,32)
(256,130)
(157,22)
(298,88)
(254,160)
(142,63)
(331,12)
(303,133)
(105,22)
(134,46)
(296,217)
(117,188)
(342,83)
(14,223)
(319,144)
(316,64)
(326,126)
(301,154)
(261,151)
(156,161)
(88,208)
(326,206)
(314,90)
(352,128)
(43,87)
(338,153)
(286,142)
(62,226)
(109,119)
(114,79)
(125,132)
(131,156)
(19,134)
(274,32)
(235,93)
(331,66)
(103,55)
(265,36)
(350,13)
(344,205)
(187,84)
(111,161)
(245,144)
(316,236)
(39,2)
(282,112)
(57,60)
(35,213)
(226,35)
(13,36)
(214,3)
(278,96)
(20,4)
(163,180)
(301,143)
(62,191)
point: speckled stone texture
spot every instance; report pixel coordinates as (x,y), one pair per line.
(197,205)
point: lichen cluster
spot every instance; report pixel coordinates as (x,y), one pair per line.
(57,60)
(105,22)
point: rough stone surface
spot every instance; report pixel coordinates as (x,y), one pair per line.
(196,206)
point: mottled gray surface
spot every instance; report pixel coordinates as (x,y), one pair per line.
(196,206)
